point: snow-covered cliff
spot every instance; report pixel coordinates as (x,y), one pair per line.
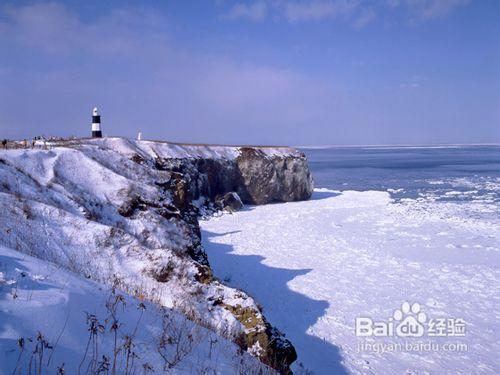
(49,316)
(124,213)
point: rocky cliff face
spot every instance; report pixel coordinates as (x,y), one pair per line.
(259,175)
(281,178)
(125,213)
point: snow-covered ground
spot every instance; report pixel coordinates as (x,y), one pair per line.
(105,211)
(169,150)
(317,265)
(42,305)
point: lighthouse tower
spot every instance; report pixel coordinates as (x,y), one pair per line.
(96,124)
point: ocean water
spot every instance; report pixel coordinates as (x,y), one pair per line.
(460,174)
(456,174)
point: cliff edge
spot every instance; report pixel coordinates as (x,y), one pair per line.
(125,213)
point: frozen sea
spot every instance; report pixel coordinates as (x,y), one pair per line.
(399,237)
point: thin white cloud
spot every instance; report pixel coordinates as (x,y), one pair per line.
(357,13)
(253,12)
(429,9)
(54,29)
(318,10)
(303,11)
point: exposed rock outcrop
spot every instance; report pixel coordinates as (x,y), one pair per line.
(229,202)
(272,179)
(259,175)
(126,212)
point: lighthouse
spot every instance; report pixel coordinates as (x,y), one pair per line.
(96,124)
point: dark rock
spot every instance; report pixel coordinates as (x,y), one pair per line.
(169,212)
(164,274)
(278,352)
(128,208)
(265,179)
(136,158)
(204,274)
(180,191)
(256,177)
(281,351)
(230,202)
(197,253)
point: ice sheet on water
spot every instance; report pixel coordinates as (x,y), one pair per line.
(317,265)
(410,172)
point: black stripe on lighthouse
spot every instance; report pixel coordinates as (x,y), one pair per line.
(96,124)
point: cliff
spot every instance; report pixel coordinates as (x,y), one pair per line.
(125,212)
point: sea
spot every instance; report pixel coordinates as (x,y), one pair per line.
(462,174)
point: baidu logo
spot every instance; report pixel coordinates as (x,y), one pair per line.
(409,321)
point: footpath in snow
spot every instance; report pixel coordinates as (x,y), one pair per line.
(315,266)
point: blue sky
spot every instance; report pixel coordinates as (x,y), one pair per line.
(311,72)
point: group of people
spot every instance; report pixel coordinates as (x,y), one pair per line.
(39,141)
(21,144)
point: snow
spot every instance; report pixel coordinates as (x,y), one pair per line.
(179,150)
(37,296)
(64,205)
(316,266)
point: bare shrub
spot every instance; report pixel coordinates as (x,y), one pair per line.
(94,327)
(177,339)
(103,365)
(129,345)
(147,368)
(37,355)
(111,306)
(21,345)
(60,370)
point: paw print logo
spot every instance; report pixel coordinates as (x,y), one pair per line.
(411,320)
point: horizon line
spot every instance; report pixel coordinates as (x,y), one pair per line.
(401,145)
